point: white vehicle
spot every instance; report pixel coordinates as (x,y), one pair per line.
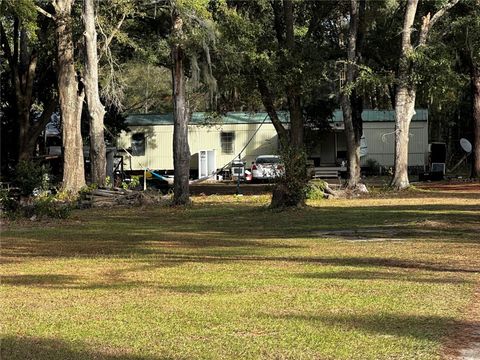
(267,167)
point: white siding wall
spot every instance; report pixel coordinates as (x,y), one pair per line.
(159,153)
(380,139)
(159,144)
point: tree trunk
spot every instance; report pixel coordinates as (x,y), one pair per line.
(406,90)
(289,191)
(71,100)
(267,100)
(404,109)
(29,142)
(25,152)
(351,106)
(181,151)
(404,101)
(96,111)
(475,74)
(23,65)
(293,90)
(353,144)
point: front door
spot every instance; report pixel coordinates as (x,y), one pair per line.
(328,150)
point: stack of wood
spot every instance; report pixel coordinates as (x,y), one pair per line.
(119,196)
(109,197)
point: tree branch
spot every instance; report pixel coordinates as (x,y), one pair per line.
(109,39)
(44,119)
(43,12)
(427,22)
(267,100)
(16,37)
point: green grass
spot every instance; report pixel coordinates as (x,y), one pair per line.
(230,279)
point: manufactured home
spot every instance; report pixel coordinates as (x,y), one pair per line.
(378,140)
(218,141)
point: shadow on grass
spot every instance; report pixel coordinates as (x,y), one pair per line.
(381,275)
(216,227)
(431,328)
(49,281)
(437,276)
(21,348)
(472,194)
(240,231)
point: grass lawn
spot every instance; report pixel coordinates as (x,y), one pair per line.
(230,279)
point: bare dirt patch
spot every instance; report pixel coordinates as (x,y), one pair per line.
(455,186)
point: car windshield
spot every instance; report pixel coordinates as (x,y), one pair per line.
(268,160)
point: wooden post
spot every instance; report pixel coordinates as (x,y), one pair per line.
(144,180)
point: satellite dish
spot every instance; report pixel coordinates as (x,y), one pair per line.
(466,145)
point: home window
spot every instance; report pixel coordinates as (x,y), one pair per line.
(227,140)
(138,144)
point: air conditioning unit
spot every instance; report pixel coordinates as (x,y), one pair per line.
(438,168)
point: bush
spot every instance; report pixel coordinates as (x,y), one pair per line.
(31,175)
(49,206)
(315,190)
(42,206)
(8,202)
(290,186)
(132,183)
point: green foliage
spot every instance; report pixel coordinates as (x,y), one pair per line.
(31,175)
(315,190)
(43,206)
(50,206)
(8,203)
(148,88)
(132,184)
(25,11)
(89,188)
(212,119)
(291,183)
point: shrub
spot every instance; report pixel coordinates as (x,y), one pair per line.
(315,190)
(31,175)
(41,206)
(290,185)
(49,206)
(132,184)
(8,203)
(373,167)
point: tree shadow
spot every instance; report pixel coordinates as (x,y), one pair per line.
(442,195)
(20,348)
(381,275)
(236,231)
(44,280)
(55,281)
(142,244)
(423,327)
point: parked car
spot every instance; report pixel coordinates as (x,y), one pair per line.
(267,167)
